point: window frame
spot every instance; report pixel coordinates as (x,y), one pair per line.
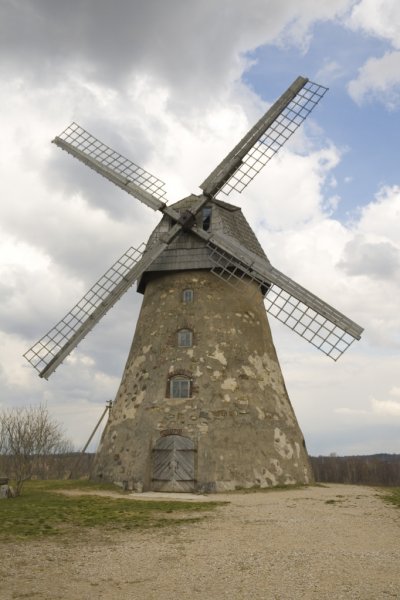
(185,332)
(187,295)
(180,379)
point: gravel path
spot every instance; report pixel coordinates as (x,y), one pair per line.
(322,543)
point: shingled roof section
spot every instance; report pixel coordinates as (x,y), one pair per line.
(188,251)
(235,225)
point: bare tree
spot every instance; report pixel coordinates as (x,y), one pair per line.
(27,437)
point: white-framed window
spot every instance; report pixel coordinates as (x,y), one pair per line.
(187,296)
(180,387)
(185,338)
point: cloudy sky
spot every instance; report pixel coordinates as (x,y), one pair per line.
(173,85)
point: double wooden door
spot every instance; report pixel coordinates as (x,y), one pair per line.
(173,464)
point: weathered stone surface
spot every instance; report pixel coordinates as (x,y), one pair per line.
(6,491)
(239,416)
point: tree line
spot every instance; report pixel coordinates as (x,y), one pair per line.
(376,469)
(33,445)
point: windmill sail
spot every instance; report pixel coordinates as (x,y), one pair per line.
(53,347)
(310,317)
(264,140)
(209,367)
(113,166)
(306,314)
(84,315)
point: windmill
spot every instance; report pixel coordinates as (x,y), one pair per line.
(202,403)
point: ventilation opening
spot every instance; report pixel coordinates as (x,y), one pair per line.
(206,216)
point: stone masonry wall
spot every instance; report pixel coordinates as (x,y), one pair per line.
(239,415)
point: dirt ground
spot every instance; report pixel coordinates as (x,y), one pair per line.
(317,543)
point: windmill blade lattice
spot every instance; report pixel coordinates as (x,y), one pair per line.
(264,140)
(114,166)
(53,347)
(320,324)
(308,323)
(49,346)
(307,315)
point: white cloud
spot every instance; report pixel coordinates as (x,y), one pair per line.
(290,190)
(330,71)
(381,217)
(191,47)
(377,408)
(377,17)
(19,253)
(374,259)
(350,411)
(167,92)
(355,267)
(386,407)
(379,77)
(14,375)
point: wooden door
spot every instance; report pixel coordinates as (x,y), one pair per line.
(173,464)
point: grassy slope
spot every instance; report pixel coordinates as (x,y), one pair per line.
(41,511)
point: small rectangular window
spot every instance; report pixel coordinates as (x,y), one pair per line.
(180,388)
(185,338)
(187,296)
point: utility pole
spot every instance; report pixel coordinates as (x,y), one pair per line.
(105,411)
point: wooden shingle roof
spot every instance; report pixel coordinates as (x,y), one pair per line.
(188,251)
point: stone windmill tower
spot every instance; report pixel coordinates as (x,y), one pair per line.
(202,404)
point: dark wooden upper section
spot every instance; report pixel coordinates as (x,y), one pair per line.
(188,251)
